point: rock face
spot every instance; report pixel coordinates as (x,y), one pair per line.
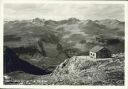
(86,71)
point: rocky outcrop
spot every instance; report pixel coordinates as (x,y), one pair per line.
(86,71)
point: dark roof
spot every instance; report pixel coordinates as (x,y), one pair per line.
(96,48)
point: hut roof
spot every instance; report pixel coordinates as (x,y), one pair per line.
(96,48)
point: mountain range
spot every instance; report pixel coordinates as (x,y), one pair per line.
(46,43)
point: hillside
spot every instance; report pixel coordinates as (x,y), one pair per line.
(85,71)
(81,70)
(45,44)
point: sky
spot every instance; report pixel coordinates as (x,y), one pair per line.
(60,11)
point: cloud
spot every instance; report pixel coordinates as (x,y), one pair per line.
(58,11)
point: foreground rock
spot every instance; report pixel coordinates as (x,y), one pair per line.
(86,71)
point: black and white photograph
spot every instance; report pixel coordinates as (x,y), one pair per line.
(64,44)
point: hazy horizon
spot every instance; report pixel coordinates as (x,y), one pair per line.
(61,11)
(56,20)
